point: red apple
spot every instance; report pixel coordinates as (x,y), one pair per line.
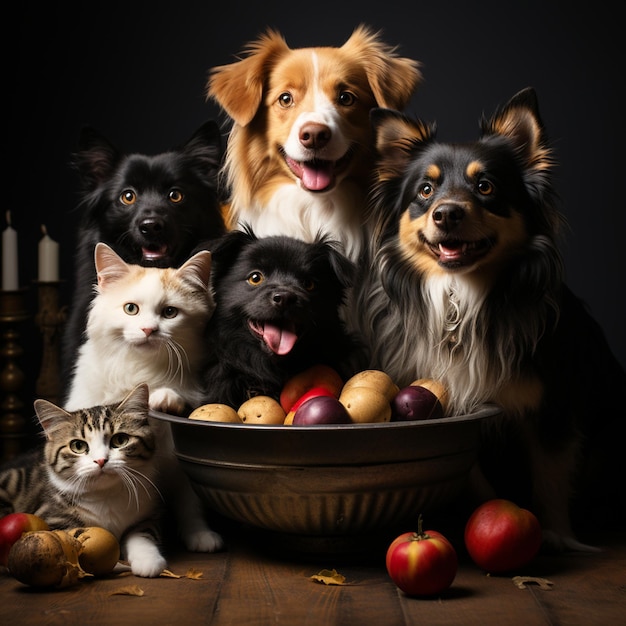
(500,536)
(421,563)
(316,376)
(314,392)
(321,410)
(415,403)
(13,526)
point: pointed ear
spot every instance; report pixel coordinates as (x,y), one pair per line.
(397,138)
(205,147)
(136,400)
(109,266)
(238,87)
(392,78)
(197,269)
(519,121)
(96,158)
(50,416)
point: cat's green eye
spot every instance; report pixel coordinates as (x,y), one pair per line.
(130,308)
(169,312)
(118,440)
(79,446)
(255,278)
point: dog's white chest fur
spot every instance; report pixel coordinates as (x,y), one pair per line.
(298,213)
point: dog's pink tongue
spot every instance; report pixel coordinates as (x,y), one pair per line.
(448,254)
(279,340)
(317,176)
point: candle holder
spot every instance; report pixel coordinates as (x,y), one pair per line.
(50,319)
(13,425)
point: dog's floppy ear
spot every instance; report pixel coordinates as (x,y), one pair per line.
(226,249)
(343,268)
(238,87)
(392,78)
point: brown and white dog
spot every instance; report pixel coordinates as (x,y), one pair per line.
(300,149)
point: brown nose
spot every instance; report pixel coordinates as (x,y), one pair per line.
(314,136)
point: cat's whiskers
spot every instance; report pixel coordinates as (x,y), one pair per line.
(133,479)
(178,361)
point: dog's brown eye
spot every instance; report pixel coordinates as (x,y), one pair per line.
(176,196)
(485,187)
(309,284)
(285,99)
(255,278)
(130,308)
(128,196)
(425,191)
(346,99)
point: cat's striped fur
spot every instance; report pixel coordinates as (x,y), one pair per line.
(97,467)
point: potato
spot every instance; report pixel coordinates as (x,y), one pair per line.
(100,550)
(215,413)
(261,410)
(436,387)
(375,379)
(366,405)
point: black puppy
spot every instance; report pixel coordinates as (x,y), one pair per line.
(152,210)
(278,303)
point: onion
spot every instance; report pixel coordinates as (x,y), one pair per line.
(46,558)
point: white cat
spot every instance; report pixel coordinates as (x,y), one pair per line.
(146,325)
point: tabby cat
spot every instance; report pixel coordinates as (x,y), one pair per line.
(147,325)
(97,467)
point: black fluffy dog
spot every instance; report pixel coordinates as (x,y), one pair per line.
(278,302)
(152,210)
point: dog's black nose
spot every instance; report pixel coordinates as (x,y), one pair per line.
(151,226)
(314,136)
(448,216)
(283,298)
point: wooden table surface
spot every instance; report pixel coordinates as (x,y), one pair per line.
(250,584)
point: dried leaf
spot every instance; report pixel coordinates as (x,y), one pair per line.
(329,577)
(521,582)
(194,574)
(131,590)
(168,574)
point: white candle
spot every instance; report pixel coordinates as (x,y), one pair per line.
(10,280)
(48,258)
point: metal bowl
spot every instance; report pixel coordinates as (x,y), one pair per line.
(331,480)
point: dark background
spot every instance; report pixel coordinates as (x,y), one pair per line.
(137,72)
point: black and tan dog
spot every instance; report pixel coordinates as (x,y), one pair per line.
(465,284)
